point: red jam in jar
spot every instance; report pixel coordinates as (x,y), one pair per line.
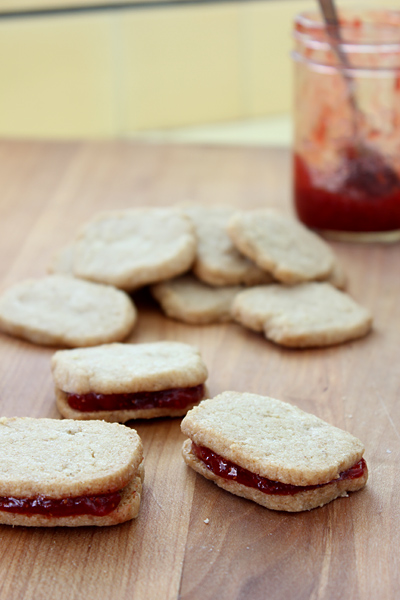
(368,199)
(228,470)
(99,505)
(347,125)
(175,399)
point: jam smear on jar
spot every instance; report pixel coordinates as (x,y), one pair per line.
(364,198)
(228,470)
(175,398)
(98,505)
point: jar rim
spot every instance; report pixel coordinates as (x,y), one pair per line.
(349,48)
(358,72)
(310,30)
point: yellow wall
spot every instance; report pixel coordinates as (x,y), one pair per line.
(112,72)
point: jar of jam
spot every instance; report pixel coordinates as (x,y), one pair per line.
(347,125)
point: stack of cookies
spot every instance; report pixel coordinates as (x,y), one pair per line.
(86,301)
(203,265)
(294,282)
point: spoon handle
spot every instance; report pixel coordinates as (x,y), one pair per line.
(330,15)
(329,12)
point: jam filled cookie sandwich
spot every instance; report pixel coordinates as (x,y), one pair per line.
(68,473)
(119,382)
(272,452)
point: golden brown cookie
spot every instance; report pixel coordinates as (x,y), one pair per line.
(218,262)
(133,248)
(59,310)
(188,299)
(281,245)
(68,473)
(303,315)
(272,452)
(119,382)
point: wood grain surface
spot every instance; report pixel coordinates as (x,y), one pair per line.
(347,549)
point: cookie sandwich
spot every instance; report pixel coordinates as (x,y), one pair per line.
(119,382)
(272,452)
(68,473)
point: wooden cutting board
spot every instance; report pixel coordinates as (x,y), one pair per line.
(192,540)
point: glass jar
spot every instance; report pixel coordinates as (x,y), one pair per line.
(347,125)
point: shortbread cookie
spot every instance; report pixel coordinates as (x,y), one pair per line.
(189,300)
(59,310)
(281,245)
(119,382)
(218,261)
(272,452)
(300,316)
(132,248)
(68,473)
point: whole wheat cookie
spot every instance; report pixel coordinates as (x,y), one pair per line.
(68,473)
(188,299)
(281,245)
(218,262)
(119,382)
(303,315)
(272,452)
(59,310)
(132,248)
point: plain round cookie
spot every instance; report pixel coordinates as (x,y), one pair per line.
(218,262)
(59,310)
(133,248)
(189,300)
(300,316)
(281,245)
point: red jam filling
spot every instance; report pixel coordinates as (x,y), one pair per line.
(176,398)
(366,200)
(228,470)
(98,506)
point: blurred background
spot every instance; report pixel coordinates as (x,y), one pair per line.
(182,70)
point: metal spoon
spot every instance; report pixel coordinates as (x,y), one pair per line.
(369,171)
(329,12)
